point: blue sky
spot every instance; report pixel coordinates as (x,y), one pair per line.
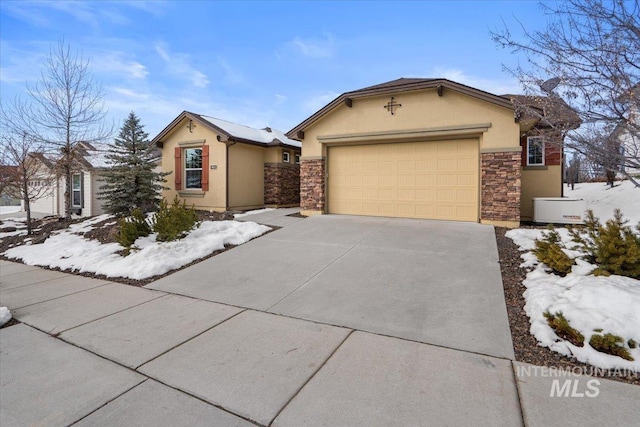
(257,63)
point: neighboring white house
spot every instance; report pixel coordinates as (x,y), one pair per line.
(86,183)
(630,145)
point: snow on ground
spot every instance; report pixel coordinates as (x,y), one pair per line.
(5,315)
(19,224)
(602,200)
(9,209)
(69,251)
(587,302)
(257,211)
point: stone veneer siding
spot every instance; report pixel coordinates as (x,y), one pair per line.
(501,186)
(281,184)
(312,185)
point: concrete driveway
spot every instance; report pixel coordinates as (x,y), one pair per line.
(332,320)
(434,282)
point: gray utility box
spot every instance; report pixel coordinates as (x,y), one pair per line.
(559,210)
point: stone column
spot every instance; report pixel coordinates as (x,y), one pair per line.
(312,191)
(501,187)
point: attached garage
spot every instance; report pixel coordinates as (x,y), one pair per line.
(427,148)
(427,179)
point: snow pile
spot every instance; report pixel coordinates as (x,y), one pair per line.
(70,251)
(257,211)
(88,225)
(602,200)
(589,303)
(5,315)
(17,223)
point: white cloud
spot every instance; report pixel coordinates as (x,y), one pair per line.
(231,74)
(117,63)
(279,99)
(93,14)
(314,48)
(178,64)
(499,86)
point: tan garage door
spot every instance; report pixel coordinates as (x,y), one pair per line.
(435,179)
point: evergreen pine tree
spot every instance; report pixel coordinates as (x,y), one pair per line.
(131,181)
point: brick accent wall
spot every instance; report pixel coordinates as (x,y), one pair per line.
(501,176)
(281,184)
(312,184)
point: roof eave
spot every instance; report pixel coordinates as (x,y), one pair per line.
(409,87)
(192,116)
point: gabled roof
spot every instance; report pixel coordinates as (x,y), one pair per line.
(45,158)
(89,156)
(550,111)
(398,86)
(232,132)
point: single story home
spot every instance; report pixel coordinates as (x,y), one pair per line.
(219,165)
(627,138)
(7,196)
(428,148)
(85,182)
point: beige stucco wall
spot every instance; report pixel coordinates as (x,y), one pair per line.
(246,176)
(273,155)
(215,198)
(420,109)
(96,204)
(539,183)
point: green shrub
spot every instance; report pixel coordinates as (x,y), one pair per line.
(614,247)
(175,221)
(549,252)
(131,228)
(632,343)
(561,327)
(610,344)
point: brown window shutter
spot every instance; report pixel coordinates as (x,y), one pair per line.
(205,168)
(177,172)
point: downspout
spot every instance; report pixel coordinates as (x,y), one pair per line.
(225,139)
(226,181)
(562,159)
(228,144)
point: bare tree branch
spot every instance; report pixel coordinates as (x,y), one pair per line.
(66,107)
(593,48)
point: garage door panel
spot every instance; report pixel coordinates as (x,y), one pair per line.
(406,194)
(425,195)
(423,165)
(425,180)
(436,180)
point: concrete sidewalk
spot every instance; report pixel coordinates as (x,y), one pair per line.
(102,353)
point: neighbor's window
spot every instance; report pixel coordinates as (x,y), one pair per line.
(76,189)
(535,151)
(297,157)
(193,168)
(285,156)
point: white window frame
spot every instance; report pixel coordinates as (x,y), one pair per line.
(530,139)
(78,190)
(185,157)
(297,159)
(285,157)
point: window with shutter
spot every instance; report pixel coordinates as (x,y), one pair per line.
(192,168)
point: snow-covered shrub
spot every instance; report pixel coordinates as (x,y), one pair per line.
(614,247)
(132,228)
(175,221)
(561,327)
(610,344)
(549,251)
